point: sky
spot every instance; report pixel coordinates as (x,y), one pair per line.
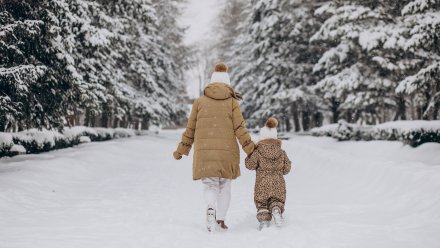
(198,17)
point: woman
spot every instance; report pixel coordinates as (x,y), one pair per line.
(214,125)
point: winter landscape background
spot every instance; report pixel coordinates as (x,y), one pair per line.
(123,63)
(365,72)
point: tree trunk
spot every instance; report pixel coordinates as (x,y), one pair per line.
(71,120)
(357,117)
(435,111)
(145,123)
(87,118)
(129,121)
(93,119)
(77,118)
(412,108)
(288,125)
(317,119)
(419,113)
(116,123)
(401,109)
(348,116)
(306,120)
(334,108)
(105,116)
(425,115)
(2,127)
(136,124)
(123,122)
(295,117)
(435,98)
(382,113)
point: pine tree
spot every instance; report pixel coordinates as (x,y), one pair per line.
(33,87)
(419,38)
(353,86)
(299,25)
(304,60)
(271,59)
(106,60)
(374,46)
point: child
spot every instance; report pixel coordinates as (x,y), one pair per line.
(271,163)
(214,125)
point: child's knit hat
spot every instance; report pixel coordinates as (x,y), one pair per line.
(269,131)
(220,74)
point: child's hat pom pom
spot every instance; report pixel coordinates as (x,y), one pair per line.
(221,67)
(272,122)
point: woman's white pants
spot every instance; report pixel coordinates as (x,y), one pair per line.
(217,192)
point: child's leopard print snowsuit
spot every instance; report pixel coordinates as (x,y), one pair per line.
(271,163)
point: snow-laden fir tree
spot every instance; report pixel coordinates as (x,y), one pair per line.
(234,42)
(271,60)
(419,38)
(364,61)
(228,30)
(265,72)
(108,61)
(375,46)
(299,24)
(33,85)
(353,87)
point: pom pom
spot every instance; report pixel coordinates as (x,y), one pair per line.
(272,123)
(221,67)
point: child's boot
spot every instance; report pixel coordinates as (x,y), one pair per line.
(264,217)
(277,217)
(263,224)
(210,219)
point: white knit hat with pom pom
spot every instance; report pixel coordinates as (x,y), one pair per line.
(269,131)
(220,74)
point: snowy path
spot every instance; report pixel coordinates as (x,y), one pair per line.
(130,193)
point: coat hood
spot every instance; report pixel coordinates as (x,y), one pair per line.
(270,148)
(220,91)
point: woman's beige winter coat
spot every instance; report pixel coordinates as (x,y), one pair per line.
(214,126)
(271,163)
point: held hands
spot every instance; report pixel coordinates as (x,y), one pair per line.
(249,155)
(177,155)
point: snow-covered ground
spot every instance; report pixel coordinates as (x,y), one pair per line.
(131,193)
